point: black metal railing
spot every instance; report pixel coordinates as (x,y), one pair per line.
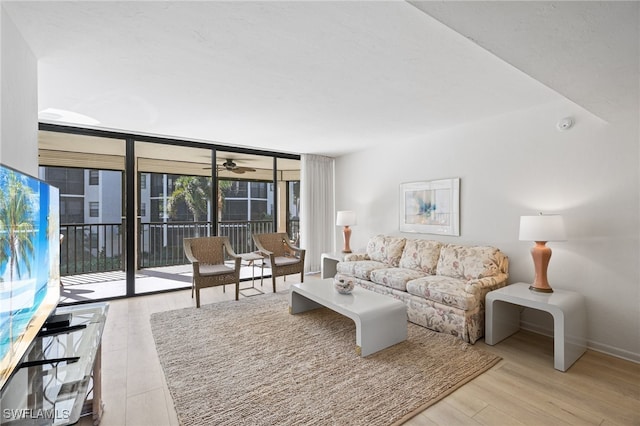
(240,233)
(293,230)
(89,247)
(161,243)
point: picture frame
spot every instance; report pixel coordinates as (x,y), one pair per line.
(430,207)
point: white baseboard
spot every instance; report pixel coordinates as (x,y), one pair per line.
(595,346)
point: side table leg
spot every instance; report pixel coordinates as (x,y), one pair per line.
(569,334)
(328,267)
(502,319)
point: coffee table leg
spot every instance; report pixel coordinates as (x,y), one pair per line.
(298,303)
(379,332)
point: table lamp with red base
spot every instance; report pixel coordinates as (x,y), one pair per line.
(346,218)
(541,228)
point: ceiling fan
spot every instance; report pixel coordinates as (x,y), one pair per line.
(230,166)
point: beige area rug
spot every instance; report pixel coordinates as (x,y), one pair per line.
(250,362)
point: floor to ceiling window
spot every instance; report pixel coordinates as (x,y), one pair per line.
(246,197)
(128,202)
(89,173)
(173,199)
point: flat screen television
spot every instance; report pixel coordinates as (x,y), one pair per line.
(29,263)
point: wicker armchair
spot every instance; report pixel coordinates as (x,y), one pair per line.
(279,255)
(207,255)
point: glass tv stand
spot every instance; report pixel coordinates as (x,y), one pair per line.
(59,378)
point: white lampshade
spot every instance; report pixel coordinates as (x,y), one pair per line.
(542,228)
(346,218)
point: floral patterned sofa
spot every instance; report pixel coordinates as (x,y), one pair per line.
(443,285)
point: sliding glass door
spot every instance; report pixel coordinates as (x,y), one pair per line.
(257,194)
(128,202)
(174,202)
(89,172)
(246,197)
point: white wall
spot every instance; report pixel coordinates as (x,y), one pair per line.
(519,164)
(18,100)
(18,120)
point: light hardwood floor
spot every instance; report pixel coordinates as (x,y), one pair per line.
(522,389)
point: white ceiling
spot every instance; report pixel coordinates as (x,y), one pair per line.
(323,77)
(587,51)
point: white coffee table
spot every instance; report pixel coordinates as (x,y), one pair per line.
(381,321)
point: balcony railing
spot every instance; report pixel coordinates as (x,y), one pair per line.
(240,233)
(161,244)
(293,229)
(90,248)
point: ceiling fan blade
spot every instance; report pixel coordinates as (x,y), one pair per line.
(230,166)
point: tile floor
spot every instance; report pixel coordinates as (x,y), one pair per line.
(134,390)
(103,285)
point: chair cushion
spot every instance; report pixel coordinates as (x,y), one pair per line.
(360,269)
(385,249)
(468,262)
(283,260)
(207,270)
(395,277)
(421,255)
(443,289)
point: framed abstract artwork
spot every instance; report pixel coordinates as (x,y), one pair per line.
(430,207)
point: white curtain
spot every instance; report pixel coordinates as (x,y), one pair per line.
(317,230)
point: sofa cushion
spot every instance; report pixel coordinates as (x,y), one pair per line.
(395,277)
(468,262)
(443,289)
(386,249)
(360,269)
(421,255)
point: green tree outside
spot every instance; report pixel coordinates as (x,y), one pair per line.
(195,192)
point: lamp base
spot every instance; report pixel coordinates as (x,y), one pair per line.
(541,255)
(347,236)
(541,290)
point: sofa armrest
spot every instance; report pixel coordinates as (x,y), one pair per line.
(353,257)
(486,284)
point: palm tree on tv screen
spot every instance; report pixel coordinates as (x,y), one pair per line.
(16,231)
(16,219)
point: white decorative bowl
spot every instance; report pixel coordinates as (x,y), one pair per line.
(342,286)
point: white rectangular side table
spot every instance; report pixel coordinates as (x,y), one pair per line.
(381,321)
(502,318)
(328,263)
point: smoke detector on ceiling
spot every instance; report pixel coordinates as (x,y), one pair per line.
(565,124)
